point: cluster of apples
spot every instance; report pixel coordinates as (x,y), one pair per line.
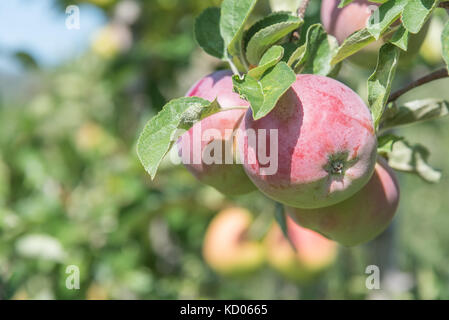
(328,174)
(229,251)
(326,177)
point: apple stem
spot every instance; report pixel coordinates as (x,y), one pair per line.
(234,68)
(439,74)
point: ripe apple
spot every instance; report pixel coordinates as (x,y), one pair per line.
(227,249)
(321,139)
(314,253)
(360,218)
(216,133)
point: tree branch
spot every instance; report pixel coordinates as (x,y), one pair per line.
(444,5)
(302,8)
(439,74)
(301,13)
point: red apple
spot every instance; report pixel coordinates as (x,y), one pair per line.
(227,248)
(360,218)
(314,253)
(321,144)
(201,145)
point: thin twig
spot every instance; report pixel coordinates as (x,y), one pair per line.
(302,8)
(444,5)
(300,13)
(439,74)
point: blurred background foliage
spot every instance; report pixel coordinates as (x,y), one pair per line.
(72,191)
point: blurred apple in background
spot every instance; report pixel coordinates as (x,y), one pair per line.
(227,248)
(314,253)
(112,40)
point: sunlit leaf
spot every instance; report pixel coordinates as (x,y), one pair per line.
(400,38)
(159,133)
(416,13)
(269,60)
(354,43)
(415,111)
(413,159)
(379,83)
(318,52)
(234,14)
(263,94)
(207,32)
(268,32)
(384,16)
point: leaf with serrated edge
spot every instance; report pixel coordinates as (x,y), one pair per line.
(267,37)
(269,60)
(384,16)
(281,219)
(416,13)
(319,50)
(207,32)
(400,38)
(265,93)
(416,111)
(234,14)
(158,134)
(352,44)
(379,83)
(413,159)
(269,20)
(445,44)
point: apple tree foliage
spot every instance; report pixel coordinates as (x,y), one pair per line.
(266,56)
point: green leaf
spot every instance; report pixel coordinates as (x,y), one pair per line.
(400,38)
(234,14)
(379,83)
(269,60)
(416,13)
(445,44)
(159,133)
(207,32)
(296,56)
(384,16)
(319,50)
(263,94)
(269,35)
(269,20)
(413,159)
(415,111)
(344,3)
(289,49)
(386,142)
(354,43)
(281,219)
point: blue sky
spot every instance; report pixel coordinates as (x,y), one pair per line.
(38,27)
